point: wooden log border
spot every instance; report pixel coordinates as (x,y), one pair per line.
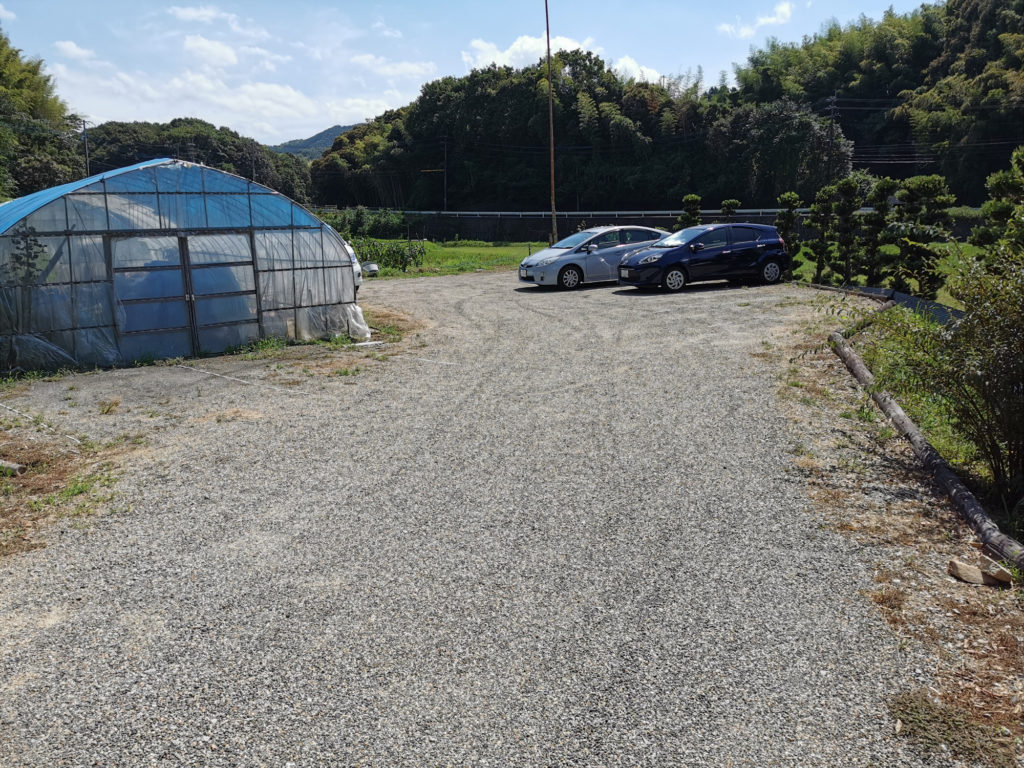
(967,506)
(998,544)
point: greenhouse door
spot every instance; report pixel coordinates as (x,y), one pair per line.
(153,313)
(221,291)
(183,296)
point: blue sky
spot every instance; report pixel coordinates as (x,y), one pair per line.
(290,68)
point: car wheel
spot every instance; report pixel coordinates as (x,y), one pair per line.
(771,272)
(674,280)
(570,278)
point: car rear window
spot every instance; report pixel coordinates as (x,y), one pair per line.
(745,234)
(639,235)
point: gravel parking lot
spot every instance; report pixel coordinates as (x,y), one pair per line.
(553,529)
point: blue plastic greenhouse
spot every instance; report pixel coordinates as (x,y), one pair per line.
(164,259)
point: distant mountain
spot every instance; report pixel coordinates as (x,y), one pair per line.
(313,147)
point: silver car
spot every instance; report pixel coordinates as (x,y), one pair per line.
(589,256)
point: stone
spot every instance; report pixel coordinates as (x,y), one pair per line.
(996,570)
(971,574)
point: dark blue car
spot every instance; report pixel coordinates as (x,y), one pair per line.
(708,252)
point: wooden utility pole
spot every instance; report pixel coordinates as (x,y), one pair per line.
(551,126)
(85,138)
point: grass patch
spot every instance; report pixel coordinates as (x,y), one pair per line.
(107,407)
(20,378)
(885,354)
(60,481)
(460,256)
(261,349)
(933,724)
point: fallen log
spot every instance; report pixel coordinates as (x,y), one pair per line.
(996,542)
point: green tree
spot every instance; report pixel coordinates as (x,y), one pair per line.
(729,206)
(921,223)
(117,144)
(39,137)
(763,150)
(876,264)
(786,220)
(848,198)
(1004,189)
(691,211)
(976,365)
(820,221)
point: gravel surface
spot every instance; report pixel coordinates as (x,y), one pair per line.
(555,529)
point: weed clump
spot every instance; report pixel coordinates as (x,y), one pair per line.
(934,725)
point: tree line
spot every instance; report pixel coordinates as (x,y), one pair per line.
(935,91)
(938,91)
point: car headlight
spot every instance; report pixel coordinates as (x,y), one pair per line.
(548,260)
(650,259)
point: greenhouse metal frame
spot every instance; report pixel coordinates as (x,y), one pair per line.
(164,259)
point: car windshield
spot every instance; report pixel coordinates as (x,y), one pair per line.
(680,237)
(574,239)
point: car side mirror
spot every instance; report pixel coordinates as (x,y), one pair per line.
(590,247)
(694,247)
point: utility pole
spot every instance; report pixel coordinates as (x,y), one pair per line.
(85,138)
(551,126)
(446,172)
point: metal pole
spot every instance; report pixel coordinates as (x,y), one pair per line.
(85,138)
(551,126)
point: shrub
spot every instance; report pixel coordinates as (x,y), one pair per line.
(729,206)
(396,254)
(691,212)
(361,222)
(975,366)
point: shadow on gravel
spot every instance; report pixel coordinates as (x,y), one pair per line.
(699,288)
(547,290)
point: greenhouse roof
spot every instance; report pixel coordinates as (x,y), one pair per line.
(14,211)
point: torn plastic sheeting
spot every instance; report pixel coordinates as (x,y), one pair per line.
(357,327)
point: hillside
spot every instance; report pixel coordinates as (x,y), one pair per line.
(117,144)
(314,146)
(938,90)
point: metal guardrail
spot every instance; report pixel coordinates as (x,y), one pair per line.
(578,214)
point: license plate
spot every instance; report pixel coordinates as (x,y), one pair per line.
(522,273)
(623,272)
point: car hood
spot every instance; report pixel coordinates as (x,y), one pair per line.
(532,259)
(632,259)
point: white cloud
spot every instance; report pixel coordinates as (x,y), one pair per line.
(267,60)
(207,14)
(383,29)
(212,52)
(381,66)
(269,112)
(356,110)
(6,15)
(628,68)
(204,14)
(524,51)
(781,14)
(71,50)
